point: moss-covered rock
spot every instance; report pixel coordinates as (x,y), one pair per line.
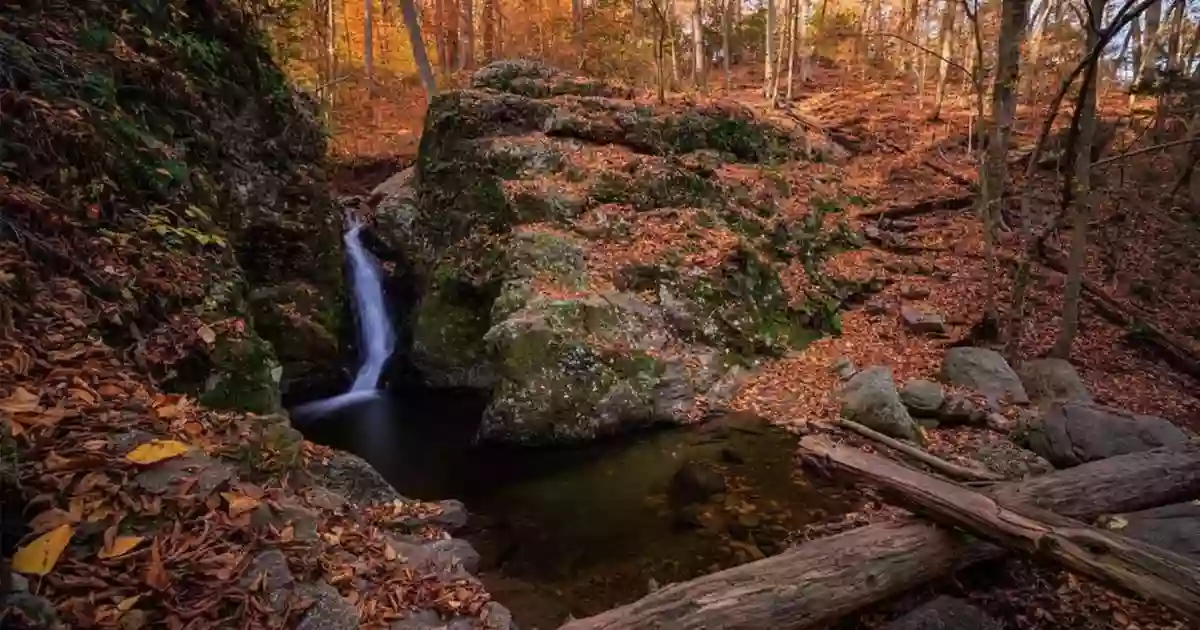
(535,79)
(301,324)
(245,376)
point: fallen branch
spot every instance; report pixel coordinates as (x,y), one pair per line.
(818,582)
(921,207)
(933,461)
(1132,565)
(1175,353)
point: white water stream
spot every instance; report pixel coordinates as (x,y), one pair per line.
(376,339)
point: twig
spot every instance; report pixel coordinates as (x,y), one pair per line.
(918,46)
(934,462)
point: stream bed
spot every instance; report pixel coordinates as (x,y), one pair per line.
(577,530)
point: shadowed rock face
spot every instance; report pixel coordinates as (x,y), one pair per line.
(581,257)
(1074,433)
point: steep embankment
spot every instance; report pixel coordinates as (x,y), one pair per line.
(596,263)
(163,225)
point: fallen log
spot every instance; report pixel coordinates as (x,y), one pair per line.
(921,207)
(947,468)
(820,581)
(1127,563)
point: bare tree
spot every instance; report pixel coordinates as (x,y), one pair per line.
(792,13)
(805,43)
(726,27)
(699,56)
(577,15)
(368,43)
(413,26)
(945,46)
(769,55)
(1037,34)
(659,7)
(489,30)
(466,53)
(1085,130)
(1150,48)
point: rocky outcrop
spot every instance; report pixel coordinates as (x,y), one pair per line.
(528,227)
(1172,527)
(870,398)
(1070,434)
(983,371)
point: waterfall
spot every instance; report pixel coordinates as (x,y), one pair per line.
(376,340)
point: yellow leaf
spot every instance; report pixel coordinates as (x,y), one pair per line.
(39,556)
(239,504)
(128,603)
(156,450)
(206,334)
(21,401)
(121,546)
(1116,523)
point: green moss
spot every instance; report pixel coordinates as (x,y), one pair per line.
(653,185)
(245,376)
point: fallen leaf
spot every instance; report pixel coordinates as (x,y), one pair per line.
(39,556)
(128,602)
(206,334)
(239,504)
(1116,523)
(156,573)
(121,546)
(156,450)
(50,519)
(21,401)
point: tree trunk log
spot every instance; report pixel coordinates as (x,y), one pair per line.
(1133,565)
(818,582)
(929,459)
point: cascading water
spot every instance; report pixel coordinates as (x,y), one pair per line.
(376,340)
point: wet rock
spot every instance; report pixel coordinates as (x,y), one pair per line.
(272,569)
(922,397)
(984,371)
(1075,433)
(1172,527)
(352,477)
(870,398)
(945,613)
(450,557)
(452,516)
(1049,380)
(296,318)
(329,610)
(166,476)
(695,482)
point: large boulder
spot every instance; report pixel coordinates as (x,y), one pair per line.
(1048,380)
(582,260)
(984,371)
(1172,527)
(870,398)
(1070,434)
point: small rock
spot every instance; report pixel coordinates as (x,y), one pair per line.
(844,368)
(272,567)
(452,517)
(37,610)
(919,321)
(419,620)
(984,371)
(329,610)
(914,292)
(1049,380)
(945,613)
(695,482)
(20,584)
(878,305)
(287,513)
(164,476)
(958,409)
(495,617)
(922,397)
(870,397)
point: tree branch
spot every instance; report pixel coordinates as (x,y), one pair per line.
(960,67)
(1128,154)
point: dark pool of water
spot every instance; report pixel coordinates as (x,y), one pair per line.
(580,530)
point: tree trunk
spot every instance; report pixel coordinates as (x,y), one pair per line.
(1150,47)
(1038,26)
(1081,195)
(577,16)
(945,45)
(660,47)
(489,31)
(1135,37)
(330,57)
(791,62)
(1004,107)
(909,31)
(369,43)
(769,53)
(699,59)
(726,27)
(1135,566)
(806,47)
(466,55)
(413,25)
(816,583)
(1175,38)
